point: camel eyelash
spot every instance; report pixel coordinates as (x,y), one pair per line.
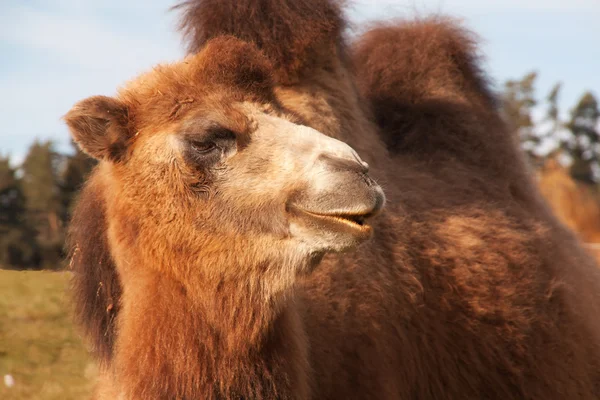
(211,135)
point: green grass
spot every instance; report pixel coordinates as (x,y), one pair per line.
(39,345)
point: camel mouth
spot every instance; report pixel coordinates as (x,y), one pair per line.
(354,221)
(351,218)
(333,219)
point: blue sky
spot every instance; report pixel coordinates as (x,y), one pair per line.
(54,53)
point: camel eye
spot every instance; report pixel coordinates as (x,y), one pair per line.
(203,147)
(204,150)
(202,153)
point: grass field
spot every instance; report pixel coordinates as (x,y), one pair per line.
(39,346)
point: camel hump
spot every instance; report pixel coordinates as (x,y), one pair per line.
(413,70)
(297,35)
(420,59)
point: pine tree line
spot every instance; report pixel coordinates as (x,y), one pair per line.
(35,204)
(573,140)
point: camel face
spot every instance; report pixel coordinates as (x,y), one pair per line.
(189,156)
(265,177)
(301,180)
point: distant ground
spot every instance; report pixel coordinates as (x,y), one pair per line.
(39,346)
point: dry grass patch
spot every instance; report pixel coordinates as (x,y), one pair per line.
(39,346)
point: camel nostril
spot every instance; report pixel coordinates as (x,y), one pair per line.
(365,166)
(345,164)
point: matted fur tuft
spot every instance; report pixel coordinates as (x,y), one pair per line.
(296,35)
(95,284)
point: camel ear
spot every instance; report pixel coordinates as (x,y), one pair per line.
(99,125)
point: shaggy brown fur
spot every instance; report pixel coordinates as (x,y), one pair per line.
(296,35)
(206,257)
(151,104)
(509,297)
(470,289)
(95,283)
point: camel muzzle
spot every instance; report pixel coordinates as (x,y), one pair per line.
(341,199)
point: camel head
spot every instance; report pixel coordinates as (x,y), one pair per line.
(198,158)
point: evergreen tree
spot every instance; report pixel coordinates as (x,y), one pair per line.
(518,101)
(550,131)
(583,145)
(553,114)
(42,195)
(77,167)
(11,198)
(17,240)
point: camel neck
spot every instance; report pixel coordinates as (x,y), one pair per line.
(223,339)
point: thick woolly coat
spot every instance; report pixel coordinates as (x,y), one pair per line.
(470,288)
